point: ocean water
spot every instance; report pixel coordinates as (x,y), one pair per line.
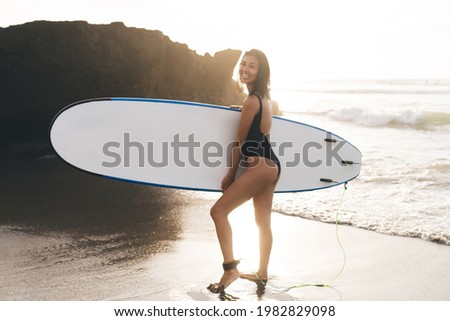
(402,128)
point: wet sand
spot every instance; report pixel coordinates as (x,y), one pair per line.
(67,235)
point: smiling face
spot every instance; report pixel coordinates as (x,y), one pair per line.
(248,70)
(254,72)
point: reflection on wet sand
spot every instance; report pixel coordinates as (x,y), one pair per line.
(69,235)
(116,220)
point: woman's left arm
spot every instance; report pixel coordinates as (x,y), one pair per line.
(249,110)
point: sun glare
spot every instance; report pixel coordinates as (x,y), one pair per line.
(245,235)
(323,39)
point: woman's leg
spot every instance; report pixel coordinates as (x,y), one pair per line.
(252,182)
(263,210)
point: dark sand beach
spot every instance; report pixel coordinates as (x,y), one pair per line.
(69,235)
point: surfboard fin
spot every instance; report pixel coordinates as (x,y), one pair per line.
(347,162)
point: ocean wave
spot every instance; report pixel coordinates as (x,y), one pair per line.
(443,168)
(388,86)
(370,225)
(406,119)
(377,91)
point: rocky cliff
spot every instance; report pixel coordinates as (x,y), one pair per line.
(45,66)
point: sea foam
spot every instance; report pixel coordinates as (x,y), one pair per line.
(408,119)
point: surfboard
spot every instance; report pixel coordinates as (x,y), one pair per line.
(188,145)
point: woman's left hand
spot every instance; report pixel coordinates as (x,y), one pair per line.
(227,181)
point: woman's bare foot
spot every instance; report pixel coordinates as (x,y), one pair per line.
(228,277)
(255,277)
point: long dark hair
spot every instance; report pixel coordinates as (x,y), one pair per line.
(262,82)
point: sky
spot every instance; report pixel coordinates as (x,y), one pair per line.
(303,39)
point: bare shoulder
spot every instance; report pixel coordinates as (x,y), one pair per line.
(250,104)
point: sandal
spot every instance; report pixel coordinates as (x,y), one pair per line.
(220,288)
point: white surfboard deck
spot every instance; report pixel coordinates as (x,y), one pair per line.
(187,145)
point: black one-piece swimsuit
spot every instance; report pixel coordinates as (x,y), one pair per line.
(256,143)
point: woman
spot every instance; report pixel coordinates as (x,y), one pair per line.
(262,170)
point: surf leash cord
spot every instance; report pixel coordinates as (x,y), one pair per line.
(344,263)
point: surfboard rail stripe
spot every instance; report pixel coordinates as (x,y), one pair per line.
(325,180)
